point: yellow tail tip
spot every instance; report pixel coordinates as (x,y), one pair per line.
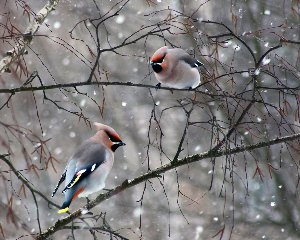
(62,210)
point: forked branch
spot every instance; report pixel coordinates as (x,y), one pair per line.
(154,173)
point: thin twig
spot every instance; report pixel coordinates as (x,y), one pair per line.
(25,181)
(27,37)
(154,173)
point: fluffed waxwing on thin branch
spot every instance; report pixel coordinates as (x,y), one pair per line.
(90,165)
(175,68)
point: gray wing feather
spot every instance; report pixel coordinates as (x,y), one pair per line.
(194,63)
(89,153)
(185,57)
(71,168)
(62,178)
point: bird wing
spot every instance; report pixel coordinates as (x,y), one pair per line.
(194,63)
(62,178)
(89,156)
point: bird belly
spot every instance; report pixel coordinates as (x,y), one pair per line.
(180,81)
(181,78)
(195,78)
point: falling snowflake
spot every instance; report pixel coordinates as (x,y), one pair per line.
(120,19)
(197,148)
(82,103)
(72,134)
(266,61)
(57,25)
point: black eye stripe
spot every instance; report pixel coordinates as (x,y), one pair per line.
(159,60)
(112,138)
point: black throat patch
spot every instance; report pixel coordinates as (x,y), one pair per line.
(157,67)
(115,146)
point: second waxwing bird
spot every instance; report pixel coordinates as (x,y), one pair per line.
(90,165)
(175,68)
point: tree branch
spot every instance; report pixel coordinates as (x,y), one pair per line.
(79,84)
(101,228)
(61,223)
(25,181)
(33,27)
(129,84)
(236,36)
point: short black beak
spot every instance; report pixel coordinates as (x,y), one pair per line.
(121,143)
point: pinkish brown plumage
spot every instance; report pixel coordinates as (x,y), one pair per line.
(175,68)
(90,165)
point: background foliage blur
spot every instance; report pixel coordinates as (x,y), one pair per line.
(255,192)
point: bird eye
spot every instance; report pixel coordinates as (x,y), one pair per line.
(158,60)
(112,137)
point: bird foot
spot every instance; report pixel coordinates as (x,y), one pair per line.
(158,86)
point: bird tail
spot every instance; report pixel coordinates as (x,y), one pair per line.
(65,207)
(70,195)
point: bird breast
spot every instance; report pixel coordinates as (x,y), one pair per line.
(96,180)
(180,76)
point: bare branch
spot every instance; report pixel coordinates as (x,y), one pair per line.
(25,181)
(154,173)
(27,37)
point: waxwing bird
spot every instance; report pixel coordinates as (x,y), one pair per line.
(90,165)
(175,68)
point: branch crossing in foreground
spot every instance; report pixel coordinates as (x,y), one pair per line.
(156,173)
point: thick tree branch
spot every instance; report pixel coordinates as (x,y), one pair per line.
(128,84)
(33,27)
(78,84)
(60,224)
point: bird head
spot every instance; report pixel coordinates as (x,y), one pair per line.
(158,58)
(109,136)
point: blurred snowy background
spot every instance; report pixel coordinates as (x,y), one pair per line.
(180,205)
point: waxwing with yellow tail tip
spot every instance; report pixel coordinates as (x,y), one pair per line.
(90,165)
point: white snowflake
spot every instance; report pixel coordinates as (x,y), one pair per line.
(120,19)
(57,25)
